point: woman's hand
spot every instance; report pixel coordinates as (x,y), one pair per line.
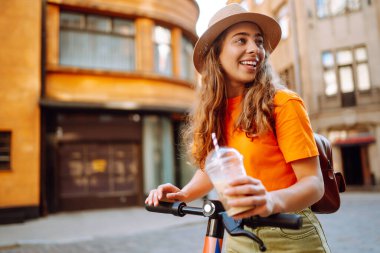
(306,191)
(198,186)
(165,192)
(247,191)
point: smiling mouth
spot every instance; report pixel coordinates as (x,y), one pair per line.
(249,63)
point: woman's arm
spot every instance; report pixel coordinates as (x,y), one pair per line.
(308,190)
(197,187)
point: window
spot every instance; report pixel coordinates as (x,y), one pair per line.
(362,71)
(96,42)
(288,78)
(345,71)
(346,78)
(158,151)
(326,8)
(283,20)
(162,50)
(5,150)
(331,86)
(187,69)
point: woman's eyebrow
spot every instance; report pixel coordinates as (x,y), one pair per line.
(247,34)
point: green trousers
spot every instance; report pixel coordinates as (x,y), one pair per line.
(309,239)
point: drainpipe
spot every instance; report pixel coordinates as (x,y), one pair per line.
(296,52)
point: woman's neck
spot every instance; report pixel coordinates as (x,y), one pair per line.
(235,89)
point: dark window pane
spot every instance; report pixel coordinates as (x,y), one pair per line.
(5,150)
(348,99)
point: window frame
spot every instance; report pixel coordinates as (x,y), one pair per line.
(187,71)
(169,45)
(357,63)
(336,67)
(283,14)
(6,150)
(330,68)
(112,33)
(326,5)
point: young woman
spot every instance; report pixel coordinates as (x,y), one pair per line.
(267,124)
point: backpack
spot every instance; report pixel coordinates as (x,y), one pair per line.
(334,181)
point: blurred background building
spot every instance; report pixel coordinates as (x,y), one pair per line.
(330,55)
(93,94)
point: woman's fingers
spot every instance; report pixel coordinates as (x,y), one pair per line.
(160,193)
(248,201)
(246,214)
(149,199)
(261,211)
(241,180)
(245,185)
(247,189)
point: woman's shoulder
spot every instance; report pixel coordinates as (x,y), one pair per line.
(284,95)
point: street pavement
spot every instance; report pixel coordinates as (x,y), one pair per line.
(354,228)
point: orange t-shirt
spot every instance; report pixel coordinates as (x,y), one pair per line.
(266,157)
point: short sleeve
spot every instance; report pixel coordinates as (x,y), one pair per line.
(293,129)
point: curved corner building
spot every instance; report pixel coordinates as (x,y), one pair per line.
(100,93)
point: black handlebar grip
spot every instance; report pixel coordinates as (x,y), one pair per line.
(166,207)
(282,220)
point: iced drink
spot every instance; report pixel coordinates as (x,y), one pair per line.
(222,165)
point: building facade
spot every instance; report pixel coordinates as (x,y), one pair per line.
(330,55)
(95,93)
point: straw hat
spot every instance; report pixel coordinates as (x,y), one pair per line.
(227,16)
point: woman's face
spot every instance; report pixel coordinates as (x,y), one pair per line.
(242,54)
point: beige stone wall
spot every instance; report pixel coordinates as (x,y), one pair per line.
(309,36)
(20,68)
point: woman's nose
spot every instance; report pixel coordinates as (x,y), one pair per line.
(251,47)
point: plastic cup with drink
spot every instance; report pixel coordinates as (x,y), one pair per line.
(222,165)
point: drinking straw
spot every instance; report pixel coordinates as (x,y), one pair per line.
(215,141)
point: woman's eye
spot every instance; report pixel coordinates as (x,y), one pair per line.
(241,41)
(259,42)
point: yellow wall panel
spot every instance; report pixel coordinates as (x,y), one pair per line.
(20,69)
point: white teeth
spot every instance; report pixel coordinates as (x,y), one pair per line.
(252,63)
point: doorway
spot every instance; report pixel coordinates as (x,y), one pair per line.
(352,165)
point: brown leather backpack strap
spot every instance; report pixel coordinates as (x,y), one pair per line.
(330,202)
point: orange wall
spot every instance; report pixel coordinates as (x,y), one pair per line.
(20,36)
(143,88)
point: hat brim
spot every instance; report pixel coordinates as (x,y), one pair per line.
(270,28)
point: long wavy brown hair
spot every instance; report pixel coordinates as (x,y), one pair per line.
(208,115)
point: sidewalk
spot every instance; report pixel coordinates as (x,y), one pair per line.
(354,228)
(89,225)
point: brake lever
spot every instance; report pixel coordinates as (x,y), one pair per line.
(235,228)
